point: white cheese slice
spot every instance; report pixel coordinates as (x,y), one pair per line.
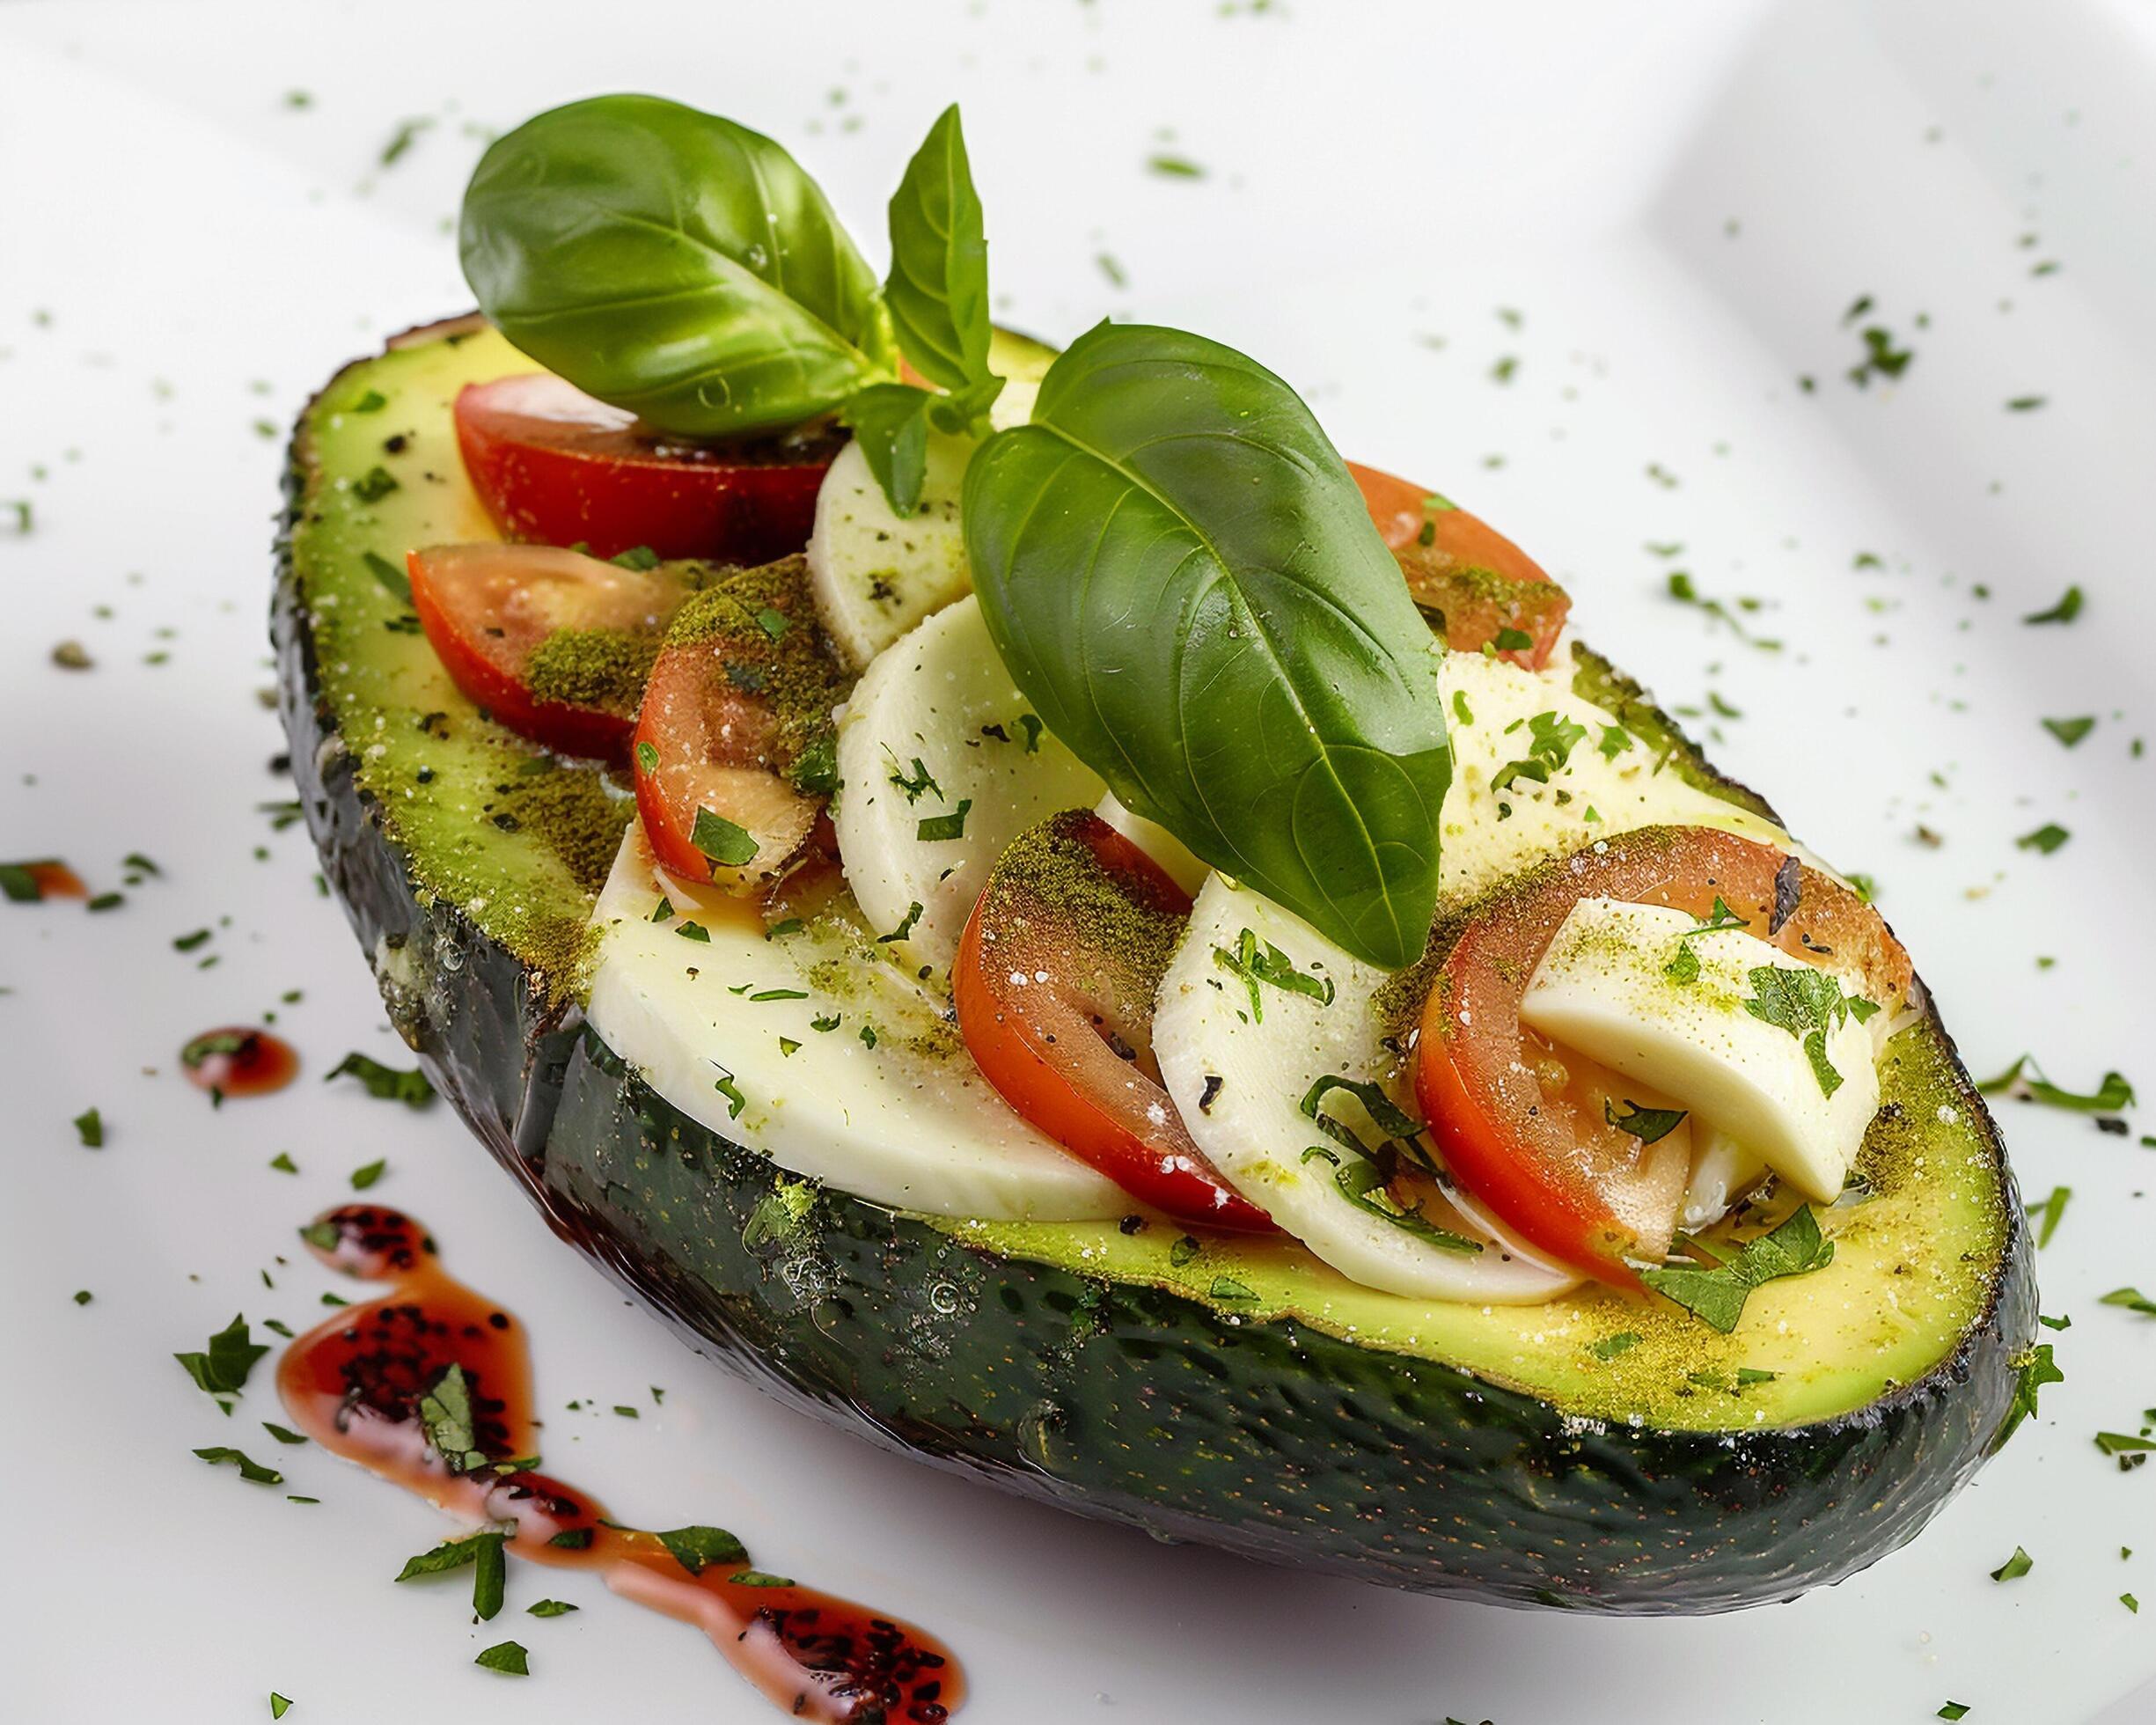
(936,731)
(1239,1079)
(1603,987)
(906,1121)
(874,575)
(1608,781)
(1723,1170)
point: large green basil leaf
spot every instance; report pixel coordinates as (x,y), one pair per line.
(674,264)
(1180,574)
(938,291)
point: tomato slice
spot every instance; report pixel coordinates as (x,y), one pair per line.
(1054,983)
(557,466)
(1458,566)
(1518,1120)
(488,609)
(733,750)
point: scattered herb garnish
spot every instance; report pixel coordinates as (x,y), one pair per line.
(385,1083)
(1649,1126)
(364,1177)
(1717,1295)
(2070,732)
(693,1547)
(1807,1003)
(2015,1568)
(90,1130)
(2132,1299)
(952,825)
(253,1472)
(2046,839)
(511,1658)
(445,1415)
(723,841)
(2034,1371)
(2067,607)
(222,1367)
(2025,1079)
(1267,964)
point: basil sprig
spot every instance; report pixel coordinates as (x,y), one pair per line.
(1181,575)
(938,296)
(674,264)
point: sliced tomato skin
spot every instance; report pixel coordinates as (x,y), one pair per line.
(1460,541)
(711,738)
(556,467)
(463,596)
(1022,1038)
(1480,1098)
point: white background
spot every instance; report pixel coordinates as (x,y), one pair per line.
(1680,201)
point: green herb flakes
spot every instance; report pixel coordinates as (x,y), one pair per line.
(221,1369)
(1717,1295)
(385,1084)
(511,1658)
(253,1472)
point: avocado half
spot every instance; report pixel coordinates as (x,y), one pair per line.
(1245,1398)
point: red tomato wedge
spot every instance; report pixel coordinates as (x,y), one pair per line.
(557,466)
(733,751)
(1460,567)
(1054,984)
(488,608)
(1518,1120)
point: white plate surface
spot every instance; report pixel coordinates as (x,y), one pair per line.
(1662,214)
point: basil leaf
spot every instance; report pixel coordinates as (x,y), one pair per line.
(674,264)
(938,290)
(1182,577)
(890,423)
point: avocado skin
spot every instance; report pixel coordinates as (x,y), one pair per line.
(1121,1402)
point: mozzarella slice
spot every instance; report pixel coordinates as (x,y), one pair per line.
(836,1066)
(1495,823)
(1239,1080)
(1604,988)
(942,763)
(1723,1170)
(874,575)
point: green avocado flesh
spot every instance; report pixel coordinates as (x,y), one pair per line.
(1548,1459)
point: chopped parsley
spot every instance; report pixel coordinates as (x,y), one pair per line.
(694,931)
(90,1130)
(2067,607)
(2045,840)
(1716,1296)
(2036,1370)
(1551,738)
(1649,1126)
(2025,1080)
(2046,1217)
(952,825)
(363,1177)
(725,1086)
(921,781)
(220,1368)
(445,1415)
(2070,732)
(1269,966)
(2132,1299)
(1807,1003)
(904,928)
(549,1607)
(385,1084)
(2015,1568)
(722,840)
(253,1472)
(695,1547)
(374,485)
(511,1658)
(1610,1347)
